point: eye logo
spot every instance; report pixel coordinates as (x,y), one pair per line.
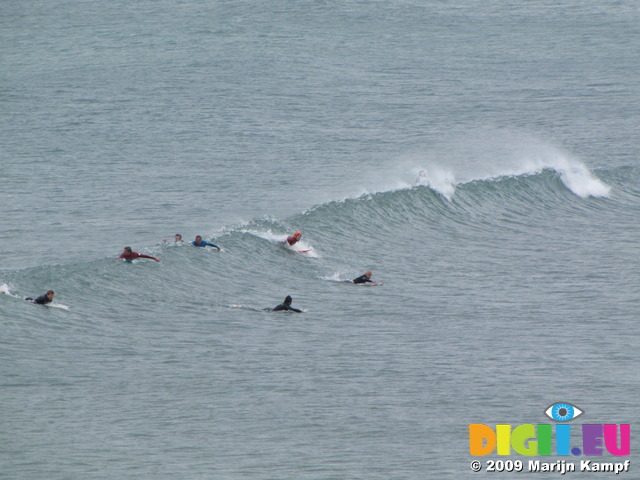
(563,412)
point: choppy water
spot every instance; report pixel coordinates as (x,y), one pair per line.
(510,267)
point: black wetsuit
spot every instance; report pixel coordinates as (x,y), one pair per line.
(362,279)
(283,307)
(41,300)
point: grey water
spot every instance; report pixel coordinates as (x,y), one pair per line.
(480,157)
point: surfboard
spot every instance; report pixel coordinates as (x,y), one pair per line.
(61,306)
(303,250)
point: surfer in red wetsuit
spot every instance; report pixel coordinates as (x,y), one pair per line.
(295,238)
(130,255)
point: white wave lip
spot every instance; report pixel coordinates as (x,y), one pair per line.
(491,153)
(580,181)
(438,179)
(576,177)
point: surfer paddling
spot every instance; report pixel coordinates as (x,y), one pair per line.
(293,239)
(45,299)
(129,255)
(198,242)
(286,306)
(42,299)
(366,278)
(291,243)
(177,239)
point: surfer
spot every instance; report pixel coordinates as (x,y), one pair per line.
(130,255)
(198,242)
(295,238)
(366,278)
(286,306)
(42,299)
(422,178)
(177,238)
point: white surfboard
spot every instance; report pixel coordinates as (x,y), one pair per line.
(61,306)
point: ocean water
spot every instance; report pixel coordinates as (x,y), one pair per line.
(480,157)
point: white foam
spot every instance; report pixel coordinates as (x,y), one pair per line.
(581,181)
(439,179)
(302,248)
(337,277)
(266,235)
(574,174)
(493,153)
(6,289)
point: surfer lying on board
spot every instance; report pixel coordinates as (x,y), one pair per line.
(366,278)
(293,239)
(42,299)
(130,255)
(198,242)
(176,239)
(286,306)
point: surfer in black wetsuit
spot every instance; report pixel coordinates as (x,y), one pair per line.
(366,278)
(286,306)
(42,299)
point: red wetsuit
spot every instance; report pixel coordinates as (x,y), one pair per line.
(134,255)
(292,240)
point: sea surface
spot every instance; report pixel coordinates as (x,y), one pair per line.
(481,158)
